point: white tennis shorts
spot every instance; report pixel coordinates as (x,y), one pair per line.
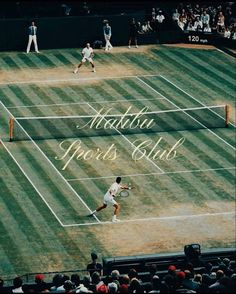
(87,59)
(108,199)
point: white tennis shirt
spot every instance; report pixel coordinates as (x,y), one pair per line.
(87,52)
(113,189)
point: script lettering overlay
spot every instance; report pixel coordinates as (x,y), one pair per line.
(104,122)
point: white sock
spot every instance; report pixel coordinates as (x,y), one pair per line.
(114,217)
(93,212)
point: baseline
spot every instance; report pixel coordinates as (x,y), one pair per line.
(82,103)
(74,80)
(161,218)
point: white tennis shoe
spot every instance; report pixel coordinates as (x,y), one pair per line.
(115,220)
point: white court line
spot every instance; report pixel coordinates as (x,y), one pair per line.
(172,83)
(79,79)
(24,173)
(222,52)
(132,144)
(57,171)
(187,114)
(161,174)
(161,218)
(81,103)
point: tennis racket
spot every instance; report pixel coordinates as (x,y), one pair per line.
(125,192)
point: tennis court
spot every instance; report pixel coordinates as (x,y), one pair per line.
(183,173)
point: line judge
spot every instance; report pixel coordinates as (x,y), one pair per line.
(32,31)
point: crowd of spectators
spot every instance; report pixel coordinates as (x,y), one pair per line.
(157,19)
(206,18)
(186,279)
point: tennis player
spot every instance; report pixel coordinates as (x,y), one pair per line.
(109,199)
(87,54)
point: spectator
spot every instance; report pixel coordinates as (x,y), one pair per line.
(156,283)
(232,285)
(132,274)
(221,286)
(152,270)
(85,286)
(75,279)
(125,281)
(232,264)
(32,32)
(204,286)
(180,287)
(198,24)
(219,275)
(112,288)
(94,266)
(198,279)
(135,286)
(97,284)
(175,15)
(115,276)
(68,286)
(182,20)
(188,281)
(107,36)
(207,29)
(160,17)
(40,285)
(146,27)
(57,281)
(227,33)
(17,285)
(159,21)
(226,261)
(153,13)
(190,26)
(205,19)
(172,270)
(139,28)
(102,289)
(220,22)
(133,32)
(61,288)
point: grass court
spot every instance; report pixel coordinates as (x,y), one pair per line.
(45,199)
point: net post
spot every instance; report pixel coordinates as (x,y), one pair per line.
(227,115)
(11,128)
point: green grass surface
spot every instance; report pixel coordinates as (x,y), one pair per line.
(199,180)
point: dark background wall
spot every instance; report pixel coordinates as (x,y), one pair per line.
(62,32)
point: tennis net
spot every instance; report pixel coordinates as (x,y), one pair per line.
(105,124)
